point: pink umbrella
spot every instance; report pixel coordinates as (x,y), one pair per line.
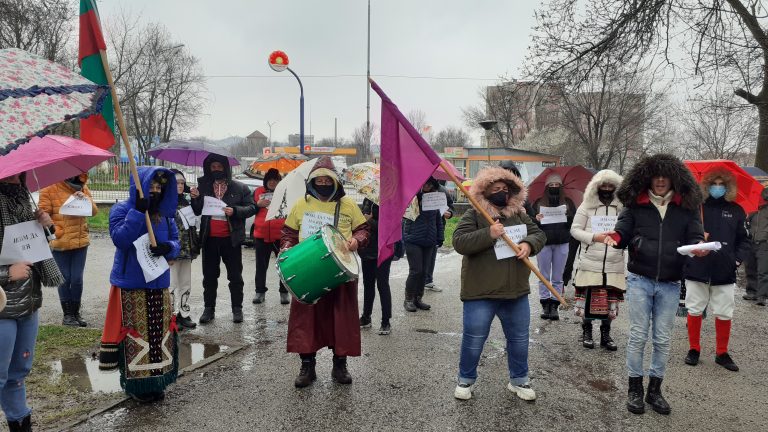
(51,159)
(440,173)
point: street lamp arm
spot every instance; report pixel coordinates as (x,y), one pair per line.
(301,86)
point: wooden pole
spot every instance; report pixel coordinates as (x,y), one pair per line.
(506,238)
(124,136)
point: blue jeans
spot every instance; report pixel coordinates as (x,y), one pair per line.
(651,304)
(72,265)
(17,348)
(515,317)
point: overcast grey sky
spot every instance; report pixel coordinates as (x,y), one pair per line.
(436,38)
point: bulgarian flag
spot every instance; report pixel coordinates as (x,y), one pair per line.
(98,129)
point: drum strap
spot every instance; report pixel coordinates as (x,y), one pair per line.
(336,214)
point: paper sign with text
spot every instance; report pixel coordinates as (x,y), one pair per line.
(267,196)
(434,201)
(188,217)
(601,224)
(24,242)
(516,233)
(213,206)
(152,267)
(554,214)
(313,221)
(75,206)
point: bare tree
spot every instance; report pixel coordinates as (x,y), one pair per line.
(360,140)
(160,84)
(715,128)
(43,27)
(418,120)
(451,137)
(722,39)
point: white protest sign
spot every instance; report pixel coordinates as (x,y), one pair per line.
(213,206)
(434,201)
(688,249)
(601,224)
(152,267)
(313,221)
(24,242)
(267,196)
(188,217)
(77,206)
(554,215)
(516,233)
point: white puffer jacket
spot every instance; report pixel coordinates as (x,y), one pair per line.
(597,257)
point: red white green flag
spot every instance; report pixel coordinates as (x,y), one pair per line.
(99,129)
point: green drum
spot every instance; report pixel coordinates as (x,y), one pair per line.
(317,265)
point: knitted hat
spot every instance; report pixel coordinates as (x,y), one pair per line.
(553,178)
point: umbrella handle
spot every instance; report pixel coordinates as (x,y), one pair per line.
(48,234)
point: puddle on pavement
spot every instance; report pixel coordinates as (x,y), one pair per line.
(85,375)
(603,385)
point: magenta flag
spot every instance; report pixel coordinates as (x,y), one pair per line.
(407,161)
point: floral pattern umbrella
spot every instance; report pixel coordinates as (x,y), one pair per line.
(37,95)
(365,178)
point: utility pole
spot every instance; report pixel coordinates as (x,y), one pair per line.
(271,144)
(335,132)
(368,86)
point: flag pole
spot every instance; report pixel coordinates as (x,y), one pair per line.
(126,144)
(506,238)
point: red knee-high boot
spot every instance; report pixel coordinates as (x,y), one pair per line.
(694,332)
(722,335)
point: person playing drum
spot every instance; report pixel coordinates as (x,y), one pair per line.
(333,321)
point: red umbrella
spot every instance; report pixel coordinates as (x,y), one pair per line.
(749,189)
(575,179)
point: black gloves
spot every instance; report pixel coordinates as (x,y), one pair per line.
(142,205)
(161,249)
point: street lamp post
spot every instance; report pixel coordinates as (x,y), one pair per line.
(488,125)
(278,61)
(271,144)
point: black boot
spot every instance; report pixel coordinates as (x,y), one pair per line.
(306,374)
(635,403)
(185,322)
(420,304)
(340,374)
(586,338)
(76,314)
(208,315)
(546,309)
(23,425)
(605,336)
(553,306)
(69,319)
(409,305)
(654,397)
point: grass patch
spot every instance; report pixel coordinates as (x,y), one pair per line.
(450,227)
(101,220)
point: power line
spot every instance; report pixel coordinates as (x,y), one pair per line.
(361,76)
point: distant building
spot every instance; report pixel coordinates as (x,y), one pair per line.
(294,140)
(257,140)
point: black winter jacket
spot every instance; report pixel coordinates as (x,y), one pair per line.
(653,242)
(558,233)
(725,223)
(371,251)
(24,296)
(426,231)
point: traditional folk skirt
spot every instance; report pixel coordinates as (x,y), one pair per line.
(598,302)
(140,338)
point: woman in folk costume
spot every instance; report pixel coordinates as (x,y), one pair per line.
(600,281)
(22,283)
(333,321)
(140,328)
(492,287)
(711,281)
(189,244)
(70,248)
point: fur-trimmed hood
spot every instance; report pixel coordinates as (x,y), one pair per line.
(591,200)
(517,191)
(731,188)
(638,181)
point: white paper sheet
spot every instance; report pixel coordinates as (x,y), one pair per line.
(213,206)
(75,206)
(687,250)
(267,196)
(313,221)
(601,224)
(152,267)
(554,215)
(516,233)
(434,201)
(188,217)
(24,242)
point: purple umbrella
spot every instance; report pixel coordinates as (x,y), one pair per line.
(51,159)
(189,153)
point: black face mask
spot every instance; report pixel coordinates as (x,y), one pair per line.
(154,199)
(554,191)
(75,180)
(499,199)
(605,195)
(324,190)
(218,175)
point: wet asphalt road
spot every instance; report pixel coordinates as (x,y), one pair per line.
(405,381)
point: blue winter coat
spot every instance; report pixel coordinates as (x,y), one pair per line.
(126,225)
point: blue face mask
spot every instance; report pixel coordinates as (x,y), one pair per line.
(717,191)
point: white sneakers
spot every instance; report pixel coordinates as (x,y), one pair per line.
(523,391)
(431,287)
(463,391)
